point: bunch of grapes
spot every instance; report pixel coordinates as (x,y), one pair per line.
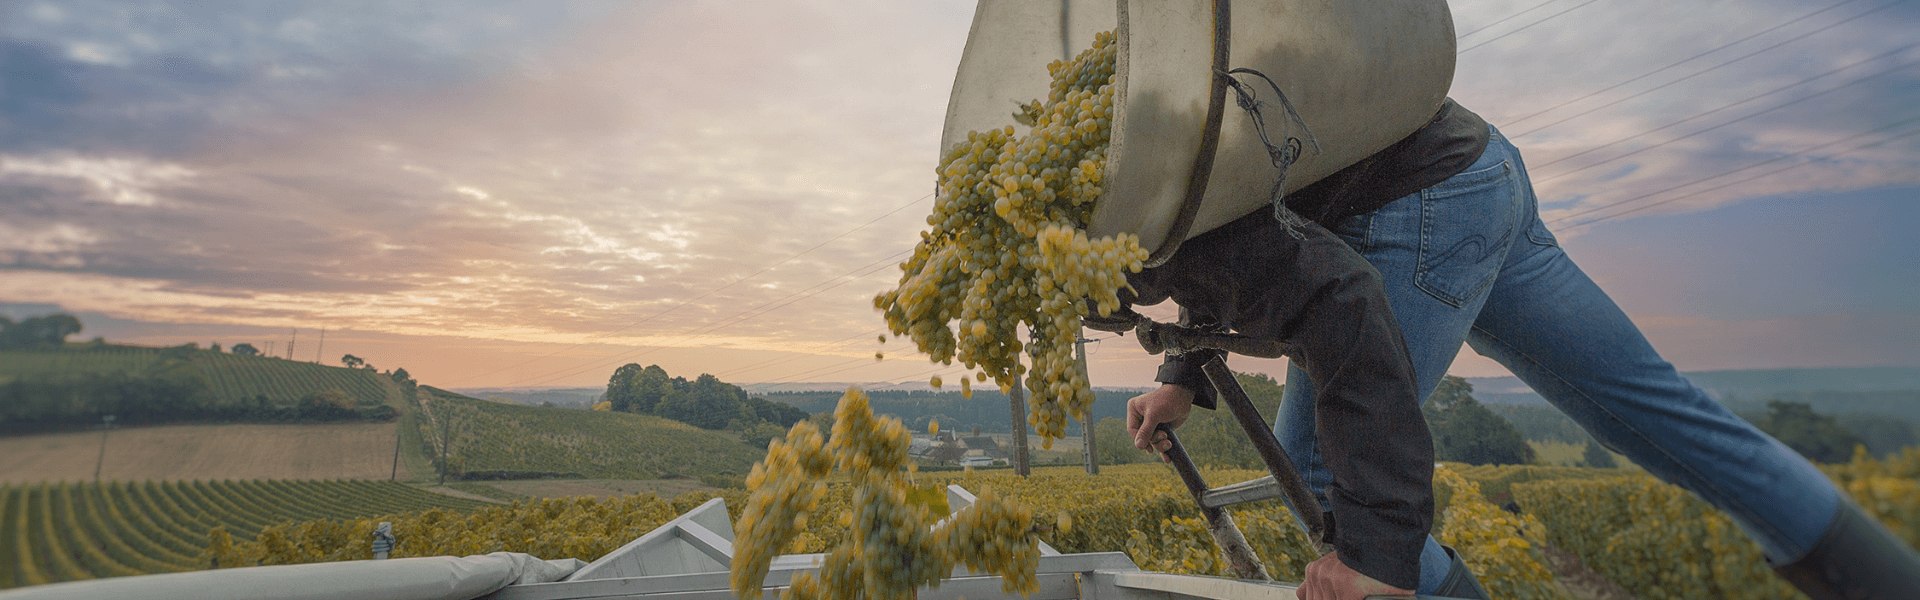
(893,547)
(1007,246)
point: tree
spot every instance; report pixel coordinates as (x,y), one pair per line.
(1466,431)
(215,347)
(1597,456)
(352,362)
(327,405)
(1815,436)
(245,349)
(651,387)
(1115,446)
(947,453)
(1215,437)
(48,332)
(620,387)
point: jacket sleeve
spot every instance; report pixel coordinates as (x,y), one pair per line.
(1184,369)
(1299,283)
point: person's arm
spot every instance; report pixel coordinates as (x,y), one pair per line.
(1303,285)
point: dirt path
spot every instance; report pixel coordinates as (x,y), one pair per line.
(600,488)
(176,452)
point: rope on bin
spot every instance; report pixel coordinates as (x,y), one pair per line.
(1284,154)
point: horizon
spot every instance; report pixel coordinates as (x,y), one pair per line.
(513,195)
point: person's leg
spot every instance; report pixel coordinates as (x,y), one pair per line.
(1438,253)
(1559,332)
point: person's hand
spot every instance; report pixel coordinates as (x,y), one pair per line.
(1329,579)
(1169,404)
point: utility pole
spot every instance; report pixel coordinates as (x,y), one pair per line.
(1086,425)
(446,430)
(269,353)
(1018,402)
(396,457)
(106,423)
(323,346)
(290,342)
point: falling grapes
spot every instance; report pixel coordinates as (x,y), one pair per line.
(893,547)
(1008,248)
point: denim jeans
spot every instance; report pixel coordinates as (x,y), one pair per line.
(1470,260)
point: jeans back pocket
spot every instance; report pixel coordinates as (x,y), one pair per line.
(1467,224)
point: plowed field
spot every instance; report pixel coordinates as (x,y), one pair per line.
(187,452)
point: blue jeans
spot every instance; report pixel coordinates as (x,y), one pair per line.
(1469,260)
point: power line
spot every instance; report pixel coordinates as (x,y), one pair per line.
(842,342)
(1524,27)
(1729,122)
(728,285)
(1509,18)
(1730,172)
(1709,69)
(709,328)
(1680,62)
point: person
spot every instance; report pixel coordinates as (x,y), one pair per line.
(1377,275)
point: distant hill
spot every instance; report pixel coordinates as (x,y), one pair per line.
(576,398)
(1743,383)
(987,409)
(42,390)
(491,440)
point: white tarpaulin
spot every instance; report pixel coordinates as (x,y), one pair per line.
(430,578)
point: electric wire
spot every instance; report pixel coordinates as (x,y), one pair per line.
(1812,96)
(1511,122)
(1709,69)
(712,291)
(1732,171)
(1524,27)
(711,327)
(1508,18)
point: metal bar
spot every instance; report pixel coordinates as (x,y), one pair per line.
(1253,490)
(1241,560)
(1183,465)
(1278,463)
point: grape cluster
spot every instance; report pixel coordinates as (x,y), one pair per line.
(787,486)
(1007,249)
(977,538)
(893,547)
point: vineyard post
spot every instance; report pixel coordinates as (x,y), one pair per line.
(446,429)
(1086,425)
(1019,404)
(106,422)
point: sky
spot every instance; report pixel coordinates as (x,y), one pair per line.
(530,194)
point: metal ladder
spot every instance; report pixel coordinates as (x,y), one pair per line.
(1284,482)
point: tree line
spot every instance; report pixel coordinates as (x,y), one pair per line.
(705,402)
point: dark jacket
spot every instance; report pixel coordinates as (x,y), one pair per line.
(1281,276)
(1257,277)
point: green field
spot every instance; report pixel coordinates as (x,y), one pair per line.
(73,531)
(231,378)
(511,441)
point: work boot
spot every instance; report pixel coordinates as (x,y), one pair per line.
(1856,559)
(1460,582)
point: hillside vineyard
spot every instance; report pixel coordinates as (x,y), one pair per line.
(54,532)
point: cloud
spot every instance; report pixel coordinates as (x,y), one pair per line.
(619,174)
(1810,76)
